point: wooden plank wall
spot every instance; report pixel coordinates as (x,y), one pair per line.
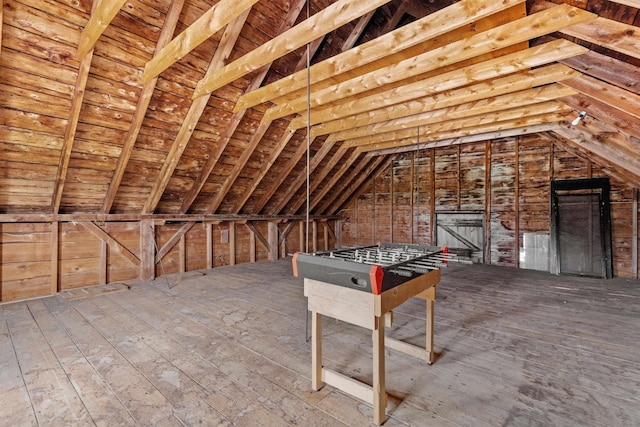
(516,199)
(39,259)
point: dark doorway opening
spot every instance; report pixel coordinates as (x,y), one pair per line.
(581,227)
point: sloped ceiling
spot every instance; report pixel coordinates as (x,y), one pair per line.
(203,107)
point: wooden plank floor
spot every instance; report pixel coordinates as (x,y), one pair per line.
(227,347)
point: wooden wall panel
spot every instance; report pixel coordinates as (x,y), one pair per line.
(446,175)
(472,172)
(503,202)
(79,257)
(422,197)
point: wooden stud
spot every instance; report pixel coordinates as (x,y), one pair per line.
(147,250)
(55,255)
(302,240)
(272,237)
(432,196)
(487,203)
(232,243)
(323,22)
(182,253)
(207,25)
(634,234)
(210,251)
(314,235)
(252,245)
(516,207)
(104,262)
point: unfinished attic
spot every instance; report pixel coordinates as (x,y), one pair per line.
(163,160)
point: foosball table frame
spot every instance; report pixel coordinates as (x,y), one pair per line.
(372,312)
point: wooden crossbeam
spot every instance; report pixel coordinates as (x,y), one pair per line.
(446,124)
(614,35)
(332,17)
(113,243)
(164,250)
(444,83)
(220,14)
(170,23)
(531,26)
(236,118)
(437,23)
(468,109)
(188,125)
(101,17)
(483,128)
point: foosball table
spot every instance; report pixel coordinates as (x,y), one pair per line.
(361,286)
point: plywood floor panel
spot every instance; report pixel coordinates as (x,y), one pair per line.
(227,347)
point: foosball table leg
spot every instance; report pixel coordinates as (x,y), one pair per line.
(379,386)
(316,352)
(430,299)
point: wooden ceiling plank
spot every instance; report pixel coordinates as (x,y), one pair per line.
(468,109)
(430,88)
(188,125)
(612,116)
(212,21)
(323,22)
(273,156)
(544,22)
(631,3)
(487,136)
(299,180)
(617,36)
(613,96)
(438,23)
(357,184)
(446,124)
(170,23)
(101,17)
(605,68)
(484,128)
(237,117)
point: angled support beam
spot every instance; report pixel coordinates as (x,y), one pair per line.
(213,20)
(438,23)
(227,42)
(175,239)
(168,29)
(321,23)
(509,34)
(113,243)
(101,17)
(285,232)
(235,120)
(264,242)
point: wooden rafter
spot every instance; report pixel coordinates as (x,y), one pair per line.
(197,107)
(316,177)
(236,118)
(624,122)
(401,97)
(273,156)
(168,29)
(113,243)
(613,96)
(509,34)
(74,112)
(446,124)
(336,176)
(614,35)
(299,180)
(487,136)
(213,20)
(483,128)
(284,140)
(1,21)
(468,109)
(631,3)
(438,23)
(101,17)
(321,23)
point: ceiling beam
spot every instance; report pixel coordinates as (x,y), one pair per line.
(170,23)
(434,25)
(446,124)
(323,22)
(468,109)
(631,3)
(213,20)
(442,91)
(487,136)
(197,107)
(482,128)
(236,118)
(509,34)
(614,35)
(101,16)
